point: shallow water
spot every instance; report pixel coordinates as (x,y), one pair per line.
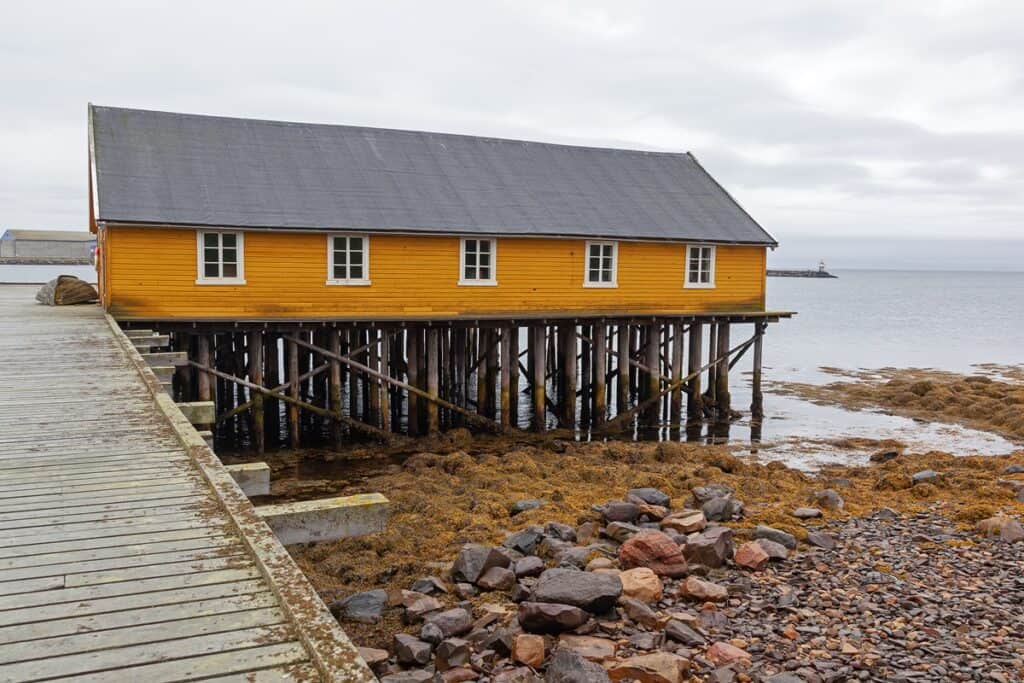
(24,274)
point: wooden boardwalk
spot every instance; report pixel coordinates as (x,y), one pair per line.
(127,554)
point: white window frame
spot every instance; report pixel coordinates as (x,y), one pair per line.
(201,277)
(615,264)
(351,282)
(710,284)
(493,280)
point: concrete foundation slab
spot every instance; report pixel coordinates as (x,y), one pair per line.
(252,477)
(327,519)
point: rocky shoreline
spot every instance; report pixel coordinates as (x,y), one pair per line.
(655,590)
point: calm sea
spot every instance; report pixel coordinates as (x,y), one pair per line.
(873,319)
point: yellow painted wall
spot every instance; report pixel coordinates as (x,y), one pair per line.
(152,275)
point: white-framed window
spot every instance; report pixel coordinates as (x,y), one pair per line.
(602,266)
(477,260)
(221,258)
(700,266)
(348,260)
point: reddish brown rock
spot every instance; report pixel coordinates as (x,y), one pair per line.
(751,556)
(528,649)
(654,550)
(701,590)
(641,584)
(721,653)
(685,522)
(589,647)
(657,667)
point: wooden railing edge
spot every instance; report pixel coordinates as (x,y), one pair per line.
(331,650)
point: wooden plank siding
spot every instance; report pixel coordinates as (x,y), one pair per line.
(150,273)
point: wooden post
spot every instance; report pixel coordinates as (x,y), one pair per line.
(413,372)
(622,383)
(757,398)
(272,373)
(385,388)
(259,434)
(203,388)
(694,400)
(567,340)
(374,388)
(713,368)
(723,401)
(334,385)
(505,390)
(183,373)
(459,372)
(586,372)
(353,378)
(513,371)
(293,386)
(676,412)
(600,367)
(538,376)
(433,366)
(490,404)
(652,377)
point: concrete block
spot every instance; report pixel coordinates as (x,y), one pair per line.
(252,477)
(199,412)
(327,519)
(131,334)
(146,343)
(207,436)
(164,373)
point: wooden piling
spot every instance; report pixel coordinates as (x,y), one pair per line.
(459,371)
(694,401)
(413,373)
(585,373)
(723,401)
(712,386)
(538,377)
(676,410)
(294,435)
(652,375)
(757,398)
(433,365)
(259,433)
(373,395)
(505,391)
(622,374)
(567,340)
(600,368)
(203,383)
(334,386)
(513,375)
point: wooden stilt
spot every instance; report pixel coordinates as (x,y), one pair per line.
(513,379)
(413,372)
(293,382)
(505,391)
(459,371)
(385,389)
(723,401)
(538,377)
(490,398)
(272,373)
(757,398)
(204,391)
(567,340)
(334,386)
(676,411)
(622,382)
(709,394)
(433,365)
(652,376)
(600,368)
(183,373)
(694,401)
(585,374)
(353,378)
(373,395)
(259,434)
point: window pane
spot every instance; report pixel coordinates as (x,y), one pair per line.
(339,272)
(484,273)
(607,251)
(470,273)
(230,256)
(211,270)
(355,243)
(595,262)
(210,256)
(606,276)
(484,246)
(470,247)
(470,260)
(593,275)
(230,270)
(355,257)
(355,272)
(705,277)
(340,258)
(228,239)
(485,259)
(210,239)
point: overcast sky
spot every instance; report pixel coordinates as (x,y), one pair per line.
(828,121)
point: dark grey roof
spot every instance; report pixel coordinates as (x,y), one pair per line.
(49,235)
(164,168)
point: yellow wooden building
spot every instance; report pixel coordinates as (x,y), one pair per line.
(204,221)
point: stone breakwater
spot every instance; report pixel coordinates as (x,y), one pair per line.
(651,591)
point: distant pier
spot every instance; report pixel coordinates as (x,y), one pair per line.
(801,273)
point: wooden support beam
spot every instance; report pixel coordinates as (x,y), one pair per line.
(508,359)
(490,424)
(412,337)
(694,399)
(259,433)
(513,345)
(272,376)
(384,388)
(599,370)
(676,410)
(373,394)
(433,386)
(355,424)
(652,376)
(538,375)
(586,372)
(567,340)
(622,383)
(203,390)
(334,386)
(757,397)
(713,370)
(723,401)
(460,371)
(353,379)
(490,404)
(294,436)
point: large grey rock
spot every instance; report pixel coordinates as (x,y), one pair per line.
(451,653)
(529,566)
(568,667)
(710,548)
(925,476)
(722,509)
(563,532)
(549,617)
(525,541)
(703,494)
(821,539)
(365,608)
(594,592)
(783,538)
(473,560)
(521,506)
(651,496)
(681,633)
(452,622)
(619,511)
(829,499)
(775,551)
(410,650)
